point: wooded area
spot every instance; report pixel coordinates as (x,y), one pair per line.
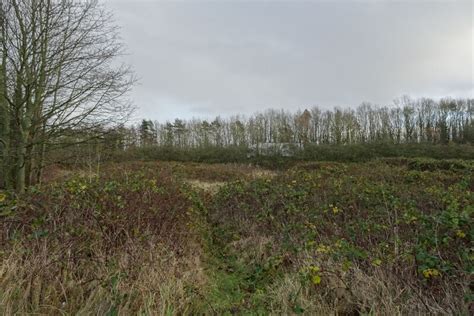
(422,120)
(56,78)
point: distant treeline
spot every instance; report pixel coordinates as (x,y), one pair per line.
(408,128)
(406,121)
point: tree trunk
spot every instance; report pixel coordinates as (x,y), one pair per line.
(40,166)
(20,170)
(4,143)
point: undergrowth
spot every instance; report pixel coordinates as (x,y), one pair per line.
(382,237)
(115,244)
(388,236)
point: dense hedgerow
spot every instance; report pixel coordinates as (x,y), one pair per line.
(311,152)
(402,226)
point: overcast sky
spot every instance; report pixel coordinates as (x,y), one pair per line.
(202,59)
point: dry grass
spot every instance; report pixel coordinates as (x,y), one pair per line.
(159,282)
(211,178)
(263,173)
(375,292)
(210,187)
(115,245)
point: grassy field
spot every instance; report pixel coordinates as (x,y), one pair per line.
(387,236)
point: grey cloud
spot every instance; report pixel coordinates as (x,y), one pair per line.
(210,58)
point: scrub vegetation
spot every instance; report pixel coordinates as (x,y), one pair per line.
(388,236)
(364,210)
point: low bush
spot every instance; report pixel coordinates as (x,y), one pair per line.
(387,236)
(115,244)
(311,152)
(335,230)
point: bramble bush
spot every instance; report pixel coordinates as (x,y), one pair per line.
(113,244)
(407,219)
(385,236)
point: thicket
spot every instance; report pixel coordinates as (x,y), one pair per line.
(387,237)
(311,152)
(118,243)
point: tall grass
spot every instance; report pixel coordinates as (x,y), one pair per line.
(118,244)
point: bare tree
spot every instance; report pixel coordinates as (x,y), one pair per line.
(58,73)
(405,121)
